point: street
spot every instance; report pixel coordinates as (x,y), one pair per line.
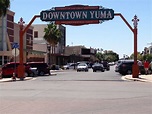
(71,92)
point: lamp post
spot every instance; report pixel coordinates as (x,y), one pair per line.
(74,57)
(135,65)
(49,56)
(21,69)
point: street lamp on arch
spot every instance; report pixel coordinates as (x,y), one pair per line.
(21,23)
(135,68)
(135,21)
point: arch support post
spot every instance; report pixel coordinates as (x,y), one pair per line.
(135,68)
(21,68)
(135,65)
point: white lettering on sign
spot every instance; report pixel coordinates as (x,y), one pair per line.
(109,14)
(77,15)
(84,15)
(44,15)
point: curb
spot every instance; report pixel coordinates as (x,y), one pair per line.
(53,74)
(17,79)
(52,71)
(141,78)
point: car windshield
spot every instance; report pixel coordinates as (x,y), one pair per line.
(97,64)
(82,64)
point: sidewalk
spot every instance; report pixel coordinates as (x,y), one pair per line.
(142,78)
(53,73)
(17,79)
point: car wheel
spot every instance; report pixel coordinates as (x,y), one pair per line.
(31,74)
(129,72)
(3,76)
(25,74)
(122,73)
(41,73)
(102,70)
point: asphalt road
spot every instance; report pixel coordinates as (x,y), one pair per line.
(71,92)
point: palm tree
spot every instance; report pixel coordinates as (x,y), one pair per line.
(52,35)
(4,5)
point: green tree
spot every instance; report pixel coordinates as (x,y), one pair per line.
(4,5)
(139,56)
(147,57)
(99,56)
(52,35)
(142,57)
(109,56)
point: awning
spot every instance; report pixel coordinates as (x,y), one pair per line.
(34,51)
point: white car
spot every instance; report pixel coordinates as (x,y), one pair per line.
(69,66)
(82,67)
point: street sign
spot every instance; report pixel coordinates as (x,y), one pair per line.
(15,45)
(76,14)
(15,52)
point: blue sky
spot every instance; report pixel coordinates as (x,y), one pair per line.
(110,35)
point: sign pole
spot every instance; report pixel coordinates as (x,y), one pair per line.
(14,73)
(15,54)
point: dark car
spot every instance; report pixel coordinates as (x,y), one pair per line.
(40,67)
(125,67)
(106,65)
(8,69)
(98,67)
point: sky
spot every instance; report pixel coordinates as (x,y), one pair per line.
(110,35)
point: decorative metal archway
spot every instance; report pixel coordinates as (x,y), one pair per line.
(80,15)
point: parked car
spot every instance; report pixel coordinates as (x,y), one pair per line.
(106,65)
(82,67)
(98,67)
(87,62)
(8,69)
(117,64)
(111,63)
(40,67)
(55,67)
(69,66)
(125,67)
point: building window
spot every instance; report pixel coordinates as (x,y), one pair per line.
(35,34)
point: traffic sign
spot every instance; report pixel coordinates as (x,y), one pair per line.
(77,14)
(15,45)
(15,52)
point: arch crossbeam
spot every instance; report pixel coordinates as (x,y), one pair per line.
(122,17)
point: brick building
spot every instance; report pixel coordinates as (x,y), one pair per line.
(9,33)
